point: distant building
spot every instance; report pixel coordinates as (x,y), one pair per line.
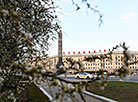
(92,67)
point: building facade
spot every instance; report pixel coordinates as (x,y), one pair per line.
(109,65)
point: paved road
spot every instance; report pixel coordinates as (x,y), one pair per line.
(128,78)
(72,78)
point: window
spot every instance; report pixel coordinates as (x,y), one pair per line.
(116,58)
(121,58)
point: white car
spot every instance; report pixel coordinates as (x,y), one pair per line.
(84,75)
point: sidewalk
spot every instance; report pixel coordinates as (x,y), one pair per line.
(89,97)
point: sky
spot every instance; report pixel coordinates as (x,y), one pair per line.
(81,31)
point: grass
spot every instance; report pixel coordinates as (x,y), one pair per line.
(31,93)
(119,91)
(34,94)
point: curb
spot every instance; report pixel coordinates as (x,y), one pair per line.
(99,97)
(46,93)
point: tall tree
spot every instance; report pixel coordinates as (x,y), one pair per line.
(26,27)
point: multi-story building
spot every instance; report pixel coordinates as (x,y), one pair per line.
(109,65)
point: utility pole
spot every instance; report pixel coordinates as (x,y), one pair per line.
(60,63)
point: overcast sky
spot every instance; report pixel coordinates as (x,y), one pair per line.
(81,31)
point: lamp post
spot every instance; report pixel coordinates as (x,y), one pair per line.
(60,63)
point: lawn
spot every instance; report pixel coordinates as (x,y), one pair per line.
(119,91)
(34,94)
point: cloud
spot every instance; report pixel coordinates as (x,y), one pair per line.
(130,17)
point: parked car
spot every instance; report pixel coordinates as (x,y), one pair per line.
(84,75)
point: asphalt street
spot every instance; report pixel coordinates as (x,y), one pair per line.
(128,78)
